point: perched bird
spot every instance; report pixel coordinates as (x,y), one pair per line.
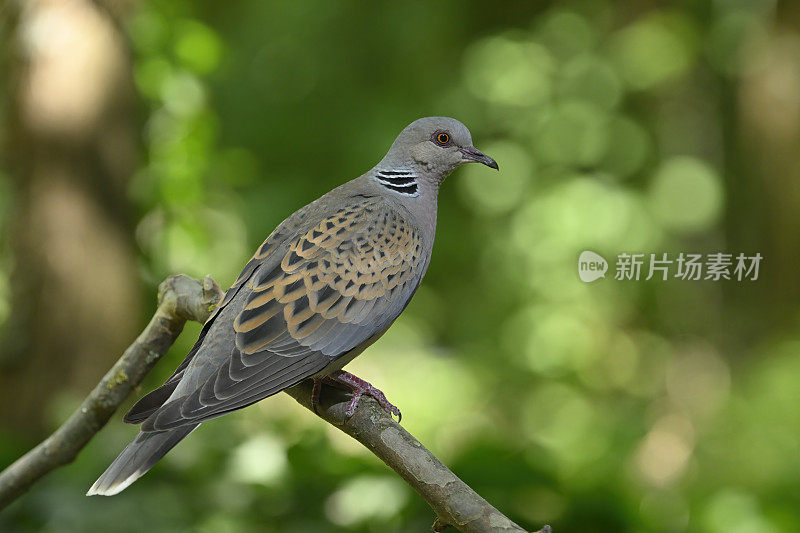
(327,283)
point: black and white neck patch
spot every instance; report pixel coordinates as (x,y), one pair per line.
(400,181)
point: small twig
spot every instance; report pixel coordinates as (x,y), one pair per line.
(181,299)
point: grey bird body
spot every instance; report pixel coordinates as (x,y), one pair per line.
(322,287)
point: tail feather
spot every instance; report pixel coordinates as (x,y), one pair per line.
(150,402)
(137,458)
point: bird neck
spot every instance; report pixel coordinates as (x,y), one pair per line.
(403,181)
(410,187)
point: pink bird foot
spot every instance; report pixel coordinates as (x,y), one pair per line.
(358,387)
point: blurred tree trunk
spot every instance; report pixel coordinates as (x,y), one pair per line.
(73,146)
(769,138)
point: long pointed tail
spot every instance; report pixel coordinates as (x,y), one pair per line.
(137,458)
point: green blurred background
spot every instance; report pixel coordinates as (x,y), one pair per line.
(146,138)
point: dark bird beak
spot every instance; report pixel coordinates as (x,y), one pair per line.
(470,153)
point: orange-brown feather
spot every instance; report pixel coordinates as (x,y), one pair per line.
(335,271)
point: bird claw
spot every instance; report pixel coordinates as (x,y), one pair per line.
(315,391)
(358,387)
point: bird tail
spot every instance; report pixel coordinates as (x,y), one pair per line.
(137,458)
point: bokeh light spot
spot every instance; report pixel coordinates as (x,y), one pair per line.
(566,33)
(686,195)
(735,511)
(559,341)
(182,93)
(663,455)
(260,459)
(505,71)
(197,46)
(654,49)
(496,193)
(567,424)
(366,498)
(698,380)
(583,212)
(573,133)
(151,75)
(591,79)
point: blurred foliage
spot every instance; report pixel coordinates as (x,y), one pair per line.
(613,406)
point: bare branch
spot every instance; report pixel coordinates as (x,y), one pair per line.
(453,501)
(182,298)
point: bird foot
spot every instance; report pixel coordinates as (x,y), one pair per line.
(358,387)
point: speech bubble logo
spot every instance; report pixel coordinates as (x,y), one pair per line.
(591,266)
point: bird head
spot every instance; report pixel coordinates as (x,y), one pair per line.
(437,145)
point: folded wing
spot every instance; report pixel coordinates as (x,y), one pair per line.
(336,286)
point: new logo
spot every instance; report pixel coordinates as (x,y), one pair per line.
(591,266)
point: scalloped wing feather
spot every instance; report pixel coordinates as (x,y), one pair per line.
(337,287)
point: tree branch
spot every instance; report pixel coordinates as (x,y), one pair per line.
(182,298)
(453,501)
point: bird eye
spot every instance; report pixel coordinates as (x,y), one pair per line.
(442,138)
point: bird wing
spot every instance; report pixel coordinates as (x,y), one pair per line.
(151,401)
(337,286)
